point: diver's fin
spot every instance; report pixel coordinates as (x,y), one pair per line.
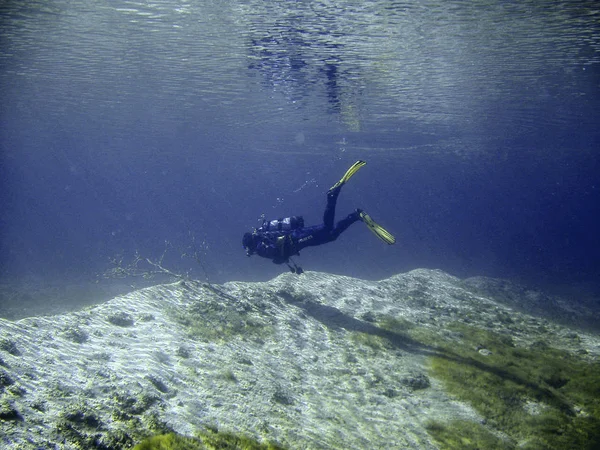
(351,171)
(377,230)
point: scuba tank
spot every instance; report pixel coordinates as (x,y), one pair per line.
(286,224)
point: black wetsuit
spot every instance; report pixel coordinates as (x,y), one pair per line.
(280,245)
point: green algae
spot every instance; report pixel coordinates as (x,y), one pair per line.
(369,340)
(169,441)
(204,441)
(395,324)
(80,426)
(212,321)
(465,435)
(539,397)
(535,397)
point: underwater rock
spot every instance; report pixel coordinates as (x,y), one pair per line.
(416,382)
(76,335)
(5,380)
(8,412)
(532,301)
(121,319)
(9,346)
(311,361)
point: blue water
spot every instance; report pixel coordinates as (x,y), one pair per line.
(126,124)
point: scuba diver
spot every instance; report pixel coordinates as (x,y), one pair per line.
(281,239)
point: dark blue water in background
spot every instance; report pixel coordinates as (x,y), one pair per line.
(127,124)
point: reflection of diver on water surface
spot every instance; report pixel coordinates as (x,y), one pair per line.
(281,63)
(281,239)
(332,85)
(290,63)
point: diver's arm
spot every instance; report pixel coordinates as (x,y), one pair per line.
(271,247)
(267,248)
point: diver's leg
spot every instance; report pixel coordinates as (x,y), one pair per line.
(329,214)
(343,224)
(334,191)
